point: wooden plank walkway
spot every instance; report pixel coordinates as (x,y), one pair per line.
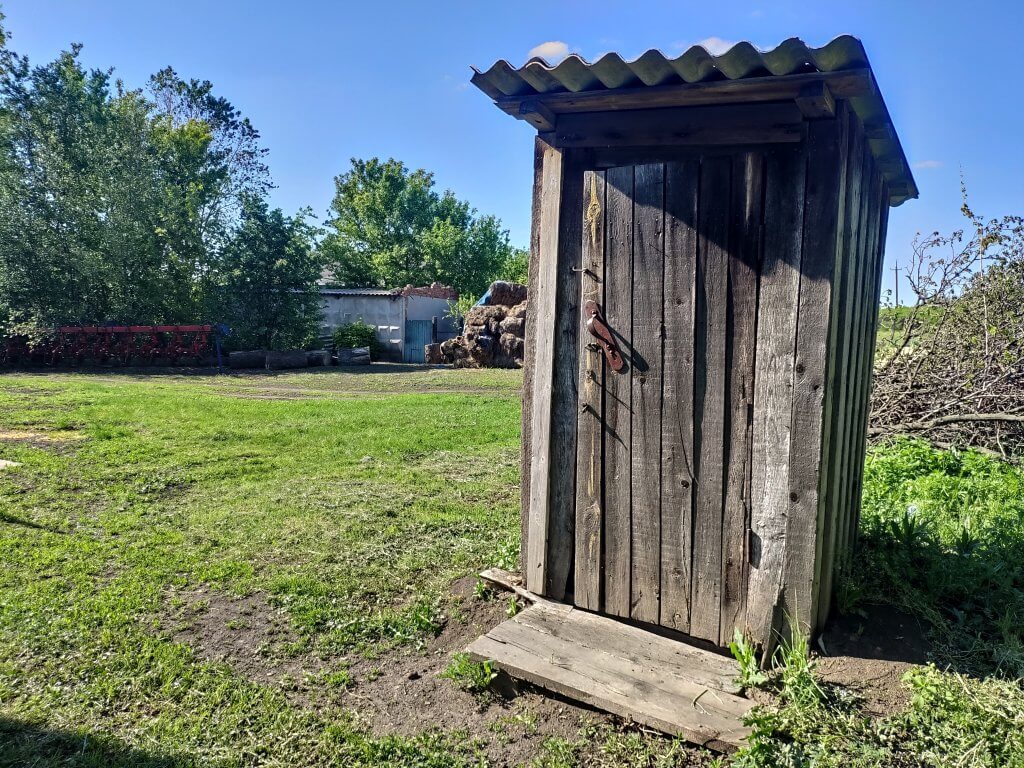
(622,669)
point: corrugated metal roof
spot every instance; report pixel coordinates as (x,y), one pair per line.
(388,292)
(537,78)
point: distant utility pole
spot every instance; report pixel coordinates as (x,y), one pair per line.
(896,282)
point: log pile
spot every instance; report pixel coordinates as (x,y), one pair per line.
(493,333)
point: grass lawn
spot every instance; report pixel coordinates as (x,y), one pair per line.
(275,569)
(350,501)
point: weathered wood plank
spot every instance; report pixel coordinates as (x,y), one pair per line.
(564,399)
(529,355)
(842,85)
(732,125)
(849,304)
(835,366)
(681,179)
(816,101)
(745,252)
(645,384)
(773,386)
(637,646)
(709,394)
(879,222)
(589,441)
(617,392)
(826,174)
(543,295)
(611,672)
(859,352)
(863,347)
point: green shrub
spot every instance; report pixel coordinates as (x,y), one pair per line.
(941,536)
(357,334)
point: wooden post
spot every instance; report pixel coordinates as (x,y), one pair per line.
(535,558)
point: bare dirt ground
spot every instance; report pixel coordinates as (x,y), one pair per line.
(402,691)
(868,653)
(398,691)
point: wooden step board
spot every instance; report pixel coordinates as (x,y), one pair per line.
(630,672)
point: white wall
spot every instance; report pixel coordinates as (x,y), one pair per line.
(385,313)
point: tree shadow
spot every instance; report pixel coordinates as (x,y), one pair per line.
(27,744)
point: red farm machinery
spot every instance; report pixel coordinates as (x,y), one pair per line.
(112,345)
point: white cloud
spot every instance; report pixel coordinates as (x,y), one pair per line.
(552,51)
(926,164)
(716,46)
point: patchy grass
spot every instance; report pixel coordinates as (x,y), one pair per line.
(317,521)
(352,515)
(941,536)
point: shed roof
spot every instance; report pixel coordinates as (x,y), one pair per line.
(538,92)
(391,293)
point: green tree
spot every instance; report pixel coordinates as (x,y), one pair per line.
(389,227)
(77,234)
(115,204)
(267,290)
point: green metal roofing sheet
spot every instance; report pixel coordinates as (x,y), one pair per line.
(696,65)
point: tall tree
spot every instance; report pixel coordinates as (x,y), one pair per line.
(114,204)
(268,274)
(389,227)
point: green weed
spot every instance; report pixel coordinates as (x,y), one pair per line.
(745,654)
(469,675)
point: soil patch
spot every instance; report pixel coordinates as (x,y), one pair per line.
(868,653)
(399,691)
(247,633)
(405,693)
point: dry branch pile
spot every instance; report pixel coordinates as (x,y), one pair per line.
(951,367)
(494,332)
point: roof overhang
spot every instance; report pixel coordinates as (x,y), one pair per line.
(810,78)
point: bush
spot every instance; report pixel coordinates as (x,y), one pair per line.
(942,533)
(357,334)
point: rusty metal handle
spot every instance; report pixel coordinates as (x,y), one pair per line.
(599,329)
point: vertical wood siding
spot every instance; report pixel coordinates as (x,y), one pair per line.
(712,485)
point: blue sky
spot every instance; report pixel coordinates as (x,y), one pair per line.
(326,81)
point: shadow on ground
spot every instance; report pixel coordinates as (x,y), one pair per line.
(24,744)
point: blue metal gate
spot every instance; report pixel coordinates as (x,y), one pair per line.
(418,333)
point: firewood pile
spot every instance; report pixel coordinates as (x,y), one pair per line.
(493,333)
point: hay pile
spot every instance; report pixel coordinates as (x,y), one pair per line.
(493,333)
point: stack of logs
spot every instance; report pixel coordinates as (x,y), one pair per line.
(494,331)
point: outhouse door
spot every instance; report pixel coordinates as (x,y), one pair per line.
(670,267)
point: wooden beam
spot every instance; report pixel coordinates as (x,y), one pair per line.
(702,126)
(816,102)
(810,436)
(526,451)
(773,387)
(564,395)
(590,437)
(537,115)
(535,558)
(842,85)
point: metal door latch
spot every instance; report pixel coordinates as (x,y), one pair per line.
(599,329)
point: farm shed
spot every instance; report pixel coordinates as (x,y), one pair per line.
(708,234)
(406,319)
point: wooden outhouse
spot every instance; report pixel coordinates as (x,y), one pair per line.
(708,234)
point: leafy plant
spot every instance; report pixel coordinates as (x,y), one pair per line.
(513,607)
(472,676)
(357,334)
(745,653)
